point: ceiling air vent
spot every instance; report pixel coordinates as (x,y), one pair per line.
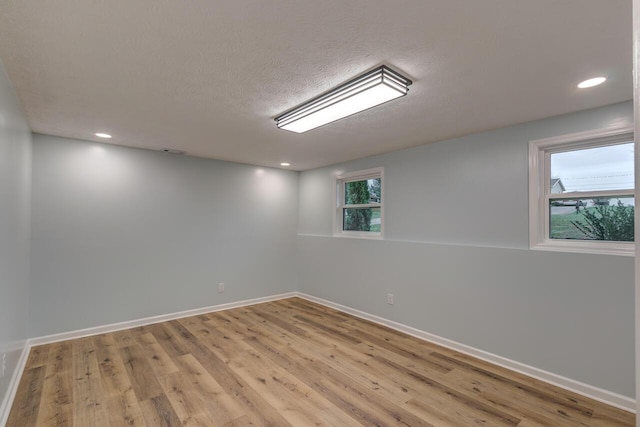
(172,151)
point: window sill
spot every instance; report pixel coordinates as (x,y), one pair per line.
(586,247)
(353,235)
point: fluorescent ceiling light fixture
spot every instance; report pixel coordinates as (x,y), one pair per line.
(103,135)
(285,164)
(363,92)
(592,82)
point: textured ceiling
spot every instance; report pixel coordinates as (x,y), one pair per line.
(208,77)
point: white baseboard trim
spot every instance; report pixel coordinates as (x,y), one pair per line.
(113,327)
(595,393)
(5,408)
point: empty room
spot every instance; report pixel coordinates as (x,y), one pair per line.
(336,213)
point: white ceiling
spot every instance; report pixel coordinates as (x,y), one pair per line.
(208,77)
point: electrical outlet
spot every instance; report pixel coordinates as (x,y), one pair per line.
(220,287)
(390,299)
(4,364)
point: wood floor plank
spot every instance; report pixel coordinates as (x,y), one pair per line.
(519,381)
(344,358)
(608,419)
(197,397)
(27,400)
(399,384)
(57,391)
(252,402)
(430,386)
(89,407)
(283,363)
(38,356)
(552,403)
(364,405)
(398,392)
(125,337)
(144,381)
(401,344)
(158,412)
(395,387)
(503,398)
(157,357)
(169,343)
(122,403)
(298,402)
(221,404)
(242,421)
(189,404)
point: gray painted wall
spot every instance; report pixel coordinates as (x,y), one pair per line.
(15,210)
(121,233)
(456,256)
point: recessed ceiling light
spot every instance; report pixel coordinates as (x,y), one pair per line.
(592,82)
(361,93)
(103,135)
(285,164)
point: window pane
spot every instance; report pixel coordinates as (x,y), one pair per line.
(609,219)
(361,219)
(593,169)
(363,192)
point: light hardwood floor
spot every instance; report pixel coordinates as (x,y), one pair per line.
(289,362)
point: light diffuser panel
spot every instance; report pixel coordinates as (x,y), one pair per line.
(368,90)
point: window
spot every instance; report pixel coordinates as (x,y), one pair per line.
(581,192)
(359,204)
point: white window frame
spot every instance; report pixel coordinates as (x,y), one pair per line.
(540,192)
(338,216)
